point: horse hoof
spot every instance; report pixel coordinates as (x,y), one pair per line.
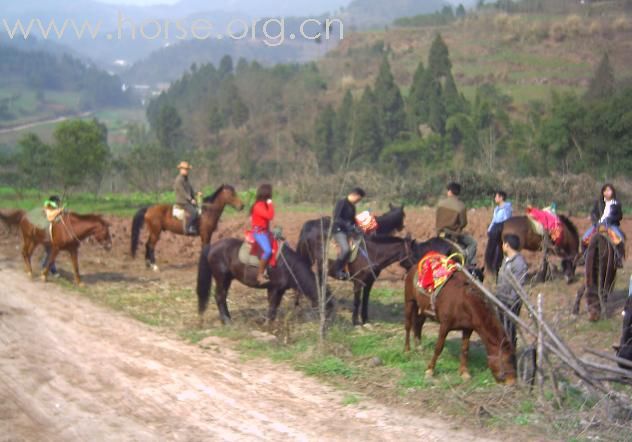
(29,274)
(466,376)
(429,373)
(155,268)
(80,284)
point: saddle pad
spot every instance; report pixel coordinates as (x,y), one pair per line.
(434,270)
(37,217)
(610,234)
(246,257)
(550,223)
(366,222)
(178,213)
(334,250)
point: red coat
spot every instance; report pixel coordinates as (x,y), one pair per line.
(262,214)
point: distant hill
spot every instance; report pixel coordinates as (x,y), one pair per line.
(371,13)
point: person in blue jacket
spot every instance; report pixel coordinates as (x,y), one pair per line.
(502,212)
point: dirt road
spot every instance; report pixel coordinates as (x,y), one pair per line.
(73,370)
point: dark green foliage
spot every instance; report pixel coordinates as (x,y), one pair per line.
(602,85)
(34,162)
(460,11)
(324,140)
(439,18)
(225,66)
(80,153)
(368,137)
(168,126)
(389,102)
(439,62)
(216,120)
(418,105)
(343,126)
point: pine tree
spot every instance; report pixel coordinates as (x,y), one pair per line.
(602,85)
(390,102)
(342,126)
(215,120)
(368,139)
(240,112)
(436,109)
(439,58)
(418,100)
(225,66)
(460,11)
(451,98)
(324,145)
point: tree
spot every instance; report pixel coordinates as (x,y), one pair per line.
(225,66)
(324,140)
(240,112)
(418,103)
(436,110)
(342,126)
(80,152)
(602,85)
(454,103)
(34,161)
(368,138)
(389,102)
(439,62)
(460,11)
(168,126)
(215,120)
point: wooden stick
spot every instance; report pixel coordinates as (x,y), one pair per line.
(608,368)
(610,357)
(540,350)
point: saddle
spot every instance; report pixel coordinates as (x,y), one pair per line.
(545,223)
(334,250)
(250,252)
(608,233)
(434,270)
(179,213)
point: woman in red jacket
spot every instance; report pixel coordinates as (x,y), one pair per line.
(261,215)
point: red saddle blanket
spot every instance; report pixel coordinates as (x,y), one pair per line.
(255,249)
(434,270)
(550,222)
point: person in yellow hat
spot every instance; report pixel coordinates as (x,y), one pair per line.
(185,197)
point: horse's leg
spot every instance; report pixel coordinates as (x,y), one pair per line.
(578,299)
(465,350)
(54,251)
(409,317)
(357,289)
(274,300)
(420,319)
(27,251)
(74,255)
(150,254)
(221,293)
(443,334)
(366,291)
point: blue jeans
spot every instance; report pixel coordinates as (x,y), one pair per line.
(592,228)
(263,239)
(53,268)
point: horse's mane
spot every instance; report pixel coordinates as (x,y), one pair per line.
(569,225)
(211,198)
(379,239)
(88,217)
(389,216)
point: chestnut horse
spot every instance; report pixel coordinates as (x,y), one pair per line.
(568,250)
(460,306)
(601,271)
(67,233)
(159,217)
(12,219)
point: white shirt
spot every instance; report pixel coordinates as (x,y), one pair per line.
(606,210)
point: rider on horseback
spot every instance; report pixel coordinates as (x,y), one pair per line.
(262,214)
(344,223)
(607,212)
(185,198)
(452,219)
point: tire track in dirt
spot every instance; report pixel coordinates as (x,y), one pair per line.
(73,370)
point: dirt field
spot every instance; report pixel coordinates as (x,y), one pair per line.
(72,369)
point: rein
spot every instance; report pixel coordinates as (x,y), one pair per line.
(68,229)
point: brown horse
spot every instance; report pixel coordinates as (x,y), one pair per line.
(159,218)
(568,250)
(12,218)
(601,271)
(67,233)
(460,306)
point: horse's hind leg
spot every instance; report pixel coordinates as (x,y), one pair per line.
(150,251)
(274,300)
(74,255)
(221,293)
(366,292)
(27,252)
(420,319)
(357,290)
(465,350)
(409,318)
(443,334)
(578,299)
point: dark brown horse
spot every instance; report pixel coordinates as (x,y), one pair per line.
(222,264)
(375,254)
(460,306)
(568,250)
(67,233)
(624,349)
(601,271)
(159,218)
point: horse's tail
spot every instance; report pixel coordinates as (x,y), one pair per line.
(137,225)
(302,247)
(204,280)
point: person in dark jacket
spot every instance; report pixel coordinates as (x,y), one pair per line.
(514,265)
(607,212)
(451,219)
(185,197)
(344,223)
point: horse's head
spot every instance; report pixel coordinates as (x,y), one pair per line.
(570,245)
(503,364)
(409,258)
(624,350)
(398,215)
(229,196)
(102,235)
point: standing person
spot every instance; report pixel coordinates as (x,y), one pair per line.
(262,214)
(185,198)
(344,223)
(502,212)
(451,219)
(607,212)
(513,264)
(52,209)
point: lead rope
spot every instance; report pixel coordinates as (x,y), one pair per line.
(68,229)
(290,270)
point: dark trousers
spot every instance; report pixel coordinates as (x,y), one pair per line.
(343,242)
(192,214)
(53,267)
(493,251)
(507,322)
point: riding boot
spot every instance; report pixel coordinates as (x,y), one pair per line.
(620,254)
(192,226)
(261,277)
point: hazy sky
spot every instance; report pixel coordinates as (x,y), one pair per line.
(140,2)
